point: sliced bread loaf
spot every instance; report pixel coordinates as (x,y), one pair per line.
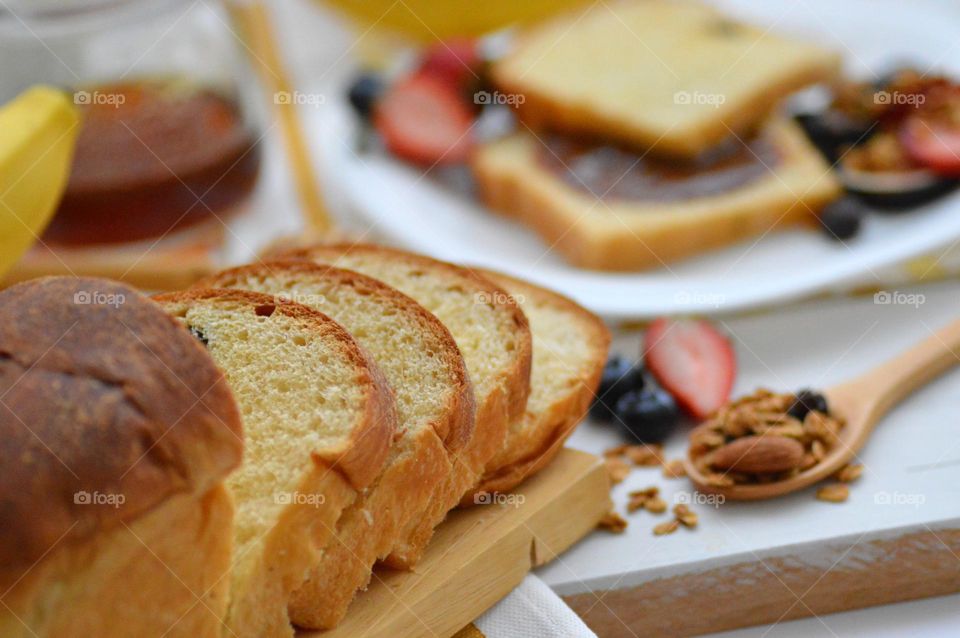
(569,351)
(435,410)
(489,328)
(319,419)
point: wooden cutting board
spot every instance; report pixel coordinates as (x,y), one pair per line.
(480,554)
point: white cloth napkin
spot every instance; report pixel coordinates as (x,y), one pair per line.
(532,610)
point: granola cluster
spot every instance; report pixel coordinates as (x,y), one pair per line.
(763,438)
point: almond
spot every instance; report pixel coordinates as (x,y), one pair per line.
(759,455)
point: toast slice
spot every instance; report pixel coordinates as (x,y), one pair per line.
(493,336)
(637,214)
(318,418)
(435,412)
(570,347)
(677,77)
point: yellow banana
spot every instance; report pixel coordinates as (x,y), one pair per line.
(38,130)
(427,20)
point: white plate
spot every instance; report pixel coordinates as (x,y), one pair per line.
(424,215)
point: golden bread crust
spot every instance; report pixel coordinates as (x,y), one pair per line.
(456,430)
(419,467)
(494,411)
(360,456)
(536,438)
(139,579)
(273,565)
(103,394)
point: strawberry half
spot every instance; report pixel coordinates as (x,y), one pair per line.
(934,144)
(454,61)
(424,120)
(693,362)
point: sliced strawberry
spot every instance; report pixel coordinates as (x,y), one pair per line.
(454,61)
(424,120)
(693,362)
(933,144)
(931,135)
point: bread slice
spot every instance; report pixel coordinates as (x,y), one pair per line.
(435,410)
(570,347)
(116,432)
(594,229)
(676,77)
(493,336)
(319,419)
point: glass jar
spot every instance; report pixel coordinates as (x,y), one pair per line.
(168,138)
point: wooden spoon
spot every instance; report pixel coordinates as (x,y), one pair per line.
(862,402)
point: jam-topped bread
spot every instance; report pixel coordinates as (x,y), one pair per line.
(490,330)
(609,208)
(675,77)
(319,420)
(435,410)
(116,433)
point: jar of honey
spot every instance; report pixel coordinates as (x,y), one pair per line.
(168,138)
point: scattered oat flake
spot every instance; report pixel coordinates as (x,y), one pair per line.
(674,469)
(686,517)
(639,498)
(647,492)
(818,450)
(834,493)
(645,455)
(618,469)
(668,527)
(655,505)
(617,450)
(636,503)
(719,480)
(613,522)
(849,473)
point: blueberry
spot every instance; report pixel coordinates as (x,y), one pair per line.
(841,219)
(805,401)
(832,130)
(620,375)
(650,415)
(364,93)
